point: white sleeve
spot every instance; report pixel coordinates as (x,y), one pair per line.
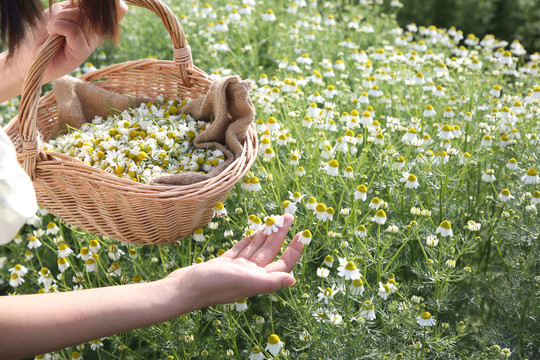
(17,196)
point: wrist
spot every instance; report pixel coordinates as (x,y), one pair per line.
(176,293)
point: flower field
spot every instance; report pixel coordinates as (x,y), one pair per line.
(410,157)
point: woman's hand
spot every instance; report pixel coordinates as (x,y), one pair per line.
(245,270)
(81,40)
(60,19)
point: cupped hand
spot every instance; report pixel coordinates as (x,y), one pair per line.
(247,269)
(81,40)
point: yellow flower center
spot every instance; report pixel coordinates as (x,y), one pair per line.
(328,258)
(447,127)
(412,131)
(51,225)
(333,163)
(532,172)
(270,221)
(62,247)
(62,261)
(273,339)
(425,315)
(380,214)
(306,234)
(362,188)
(350,266)
(429,107)
(218,206)
(446,224)
(358,282)
(411,178)
(361,228)
(320,207)
(505,192)
(198,231)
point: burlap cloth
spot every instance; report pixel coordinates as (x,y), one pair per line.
(226,104)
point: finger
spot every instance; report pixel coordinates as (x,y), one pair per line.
(122,9)
(267,251)
(233,252)
(67,22)
(276,281)
(256,242)
(289,258)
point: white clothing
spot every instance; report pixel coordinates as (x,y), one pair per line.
(17,196)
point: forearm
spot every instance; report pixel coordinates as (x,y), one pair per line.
(34,324)
(11,77)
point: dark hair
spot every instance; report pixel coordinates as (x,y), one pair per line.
(17,15)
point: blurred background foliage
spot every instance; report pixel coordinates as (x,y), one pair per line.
(506,19)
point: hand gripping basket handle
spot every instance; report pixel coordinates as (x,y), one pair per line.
(31,90)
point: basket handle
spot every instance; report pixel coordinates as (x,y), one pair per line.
(31,90)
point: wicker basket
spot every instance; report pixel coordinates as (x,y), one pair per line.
(102,203)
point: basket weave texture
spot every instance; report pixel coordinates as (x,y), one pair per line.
(102,203)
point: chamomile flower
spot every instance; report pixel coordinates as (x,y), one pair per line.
(380,217)
(18,269)
(425,319)
(52,229)
(375,203)
(368,311)
(535,198)
(219,210)
(357,287)
(446,132)
(115,252)
(505,195)
(432,240)
(64,250)
(241,305)
(33,242)
(531,177)
(332,168)
(15,280)
(361,231)
(323,272)
(269,16)
(289,207)
(384,290)
(320,211)
(271,224)
(63,264)
(256,354)
(445,229)
(311,203)
(488,175)
(411,182)
(198,234)
(306,237)
(327,295)
(360,193)
(348,270)
(274,344)
(512,164)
